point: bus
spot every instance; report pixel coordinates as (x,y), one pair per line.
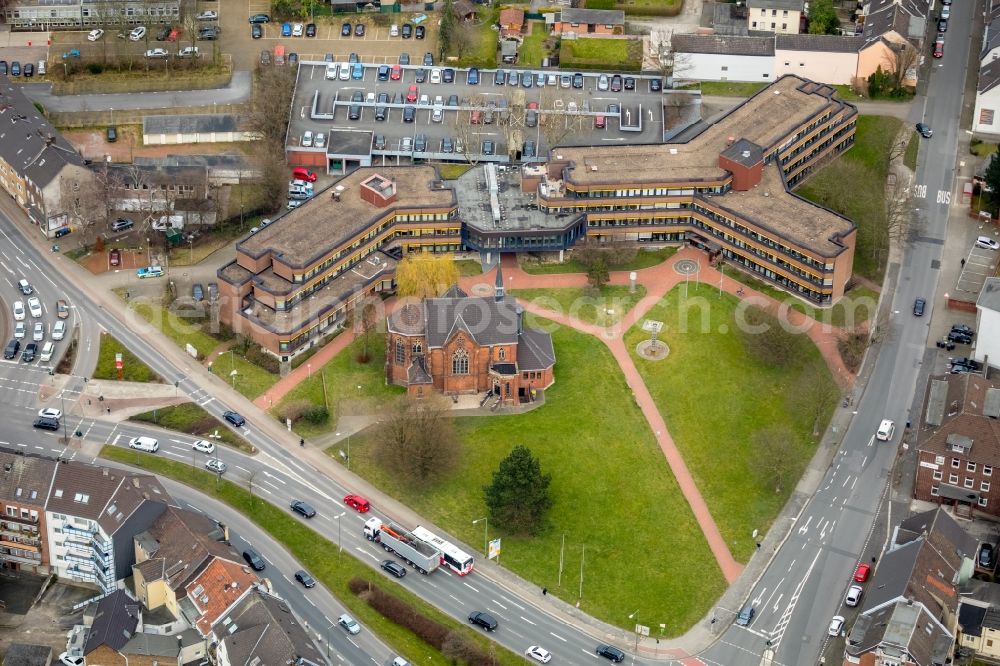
(456,559)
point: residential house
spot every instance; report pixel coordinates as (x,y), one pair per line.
(24,489)
(159,190)
(214,591)
(909,609)
(91,517)
(894,36)
(171,552)
(115,623)
(262,629)
(986,120)
(596,22)
(781,16)
(723,57)
(465,10)
(511,23)
(979,620)
(987,347)
(831,59)
(85,14)
(958,444)
(39,169)
(461,344)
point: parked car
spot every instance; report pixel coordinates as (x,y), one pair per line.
(260,18)
(345,29)
(216,466)
(310,29)
(303,577)
(420,32)
(359,30)
(938,51)
(963,329)
(256,32)
(157,53)
(919,305)
(298,30)
(10,351)
(862,573)
(149,272)
(208,15)
(137,33)
(115,257)
(986,556)
(95,35)
(35,307)
(886,429)
(163,33)
(59,330)
(987,243)
(853,595)
(836,625)
(959,337)
(300,173)
(197,292)
(925,130)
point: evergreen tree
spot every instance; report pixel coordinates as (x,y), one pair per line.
(823,18)
(518,499)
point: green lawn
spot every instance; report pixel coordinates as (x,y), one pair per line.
(319,555)
(133,370)
(643,259)
(731,88)
(854,186)
(912,146)
(344,374)
(713,396)
(467,267)
(188,326)
(191,419)
(452,171)
(982,148)
(577,303)
(533,49)
(857,306)
(597,53)
(484,50)
(613,491)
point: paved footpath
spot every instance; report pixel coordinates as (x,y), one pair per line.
(658,280)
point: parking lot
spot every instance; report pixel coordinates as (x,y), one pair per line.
(407,114)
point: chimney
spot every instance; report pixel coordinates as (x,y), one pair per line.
(105,471)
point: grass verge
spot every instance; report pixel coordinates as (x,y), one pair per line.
(316,554)
(533,49)
(191,419)
(643,259)
(351,387)
(912,146)
(589,428)
(709,371)
(453,171)
(615,54)
(133,370)
(856,307)
(605,307)
(731,88)
(467,267)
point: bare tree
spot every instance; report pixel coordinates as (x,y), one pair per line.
(463,38)
(773,451)
(555,122)
(251,477)
(109,188)
(417,439)
(904,59)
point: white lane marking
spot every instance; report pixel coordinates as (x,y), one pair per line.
(470,587)
(557,636)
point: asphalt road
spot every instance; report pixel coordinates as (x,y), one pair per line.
(523,621)
(805,584)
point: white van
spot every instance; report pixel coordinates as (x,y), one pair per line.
(47,349)
(41,68)
(169,221)
(144,444)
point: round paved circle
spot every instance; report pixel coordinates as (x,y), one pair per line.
(652,351)
(686,267)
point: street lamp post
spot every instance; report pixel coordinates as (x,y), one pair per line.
(62,401)
(635,616)
(328,639)
(348,450)
(485,520)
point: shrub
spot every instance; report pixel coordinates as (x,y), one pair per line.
(294,410)
(316,415)
(852,347)
(95,68)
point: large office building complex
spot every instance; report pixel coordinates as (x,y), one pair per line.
(727,190)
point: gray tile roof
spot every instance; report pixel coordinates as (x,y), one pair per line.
(106,495)
(154,645)
(970,617)
(745,152)
(796,5)
(185,542)
(535,350)
(33,147)
(989,76)
(907,18)
(723,44)
(819,43)
(407,320)
(25,478)
(417,372)
(596,16)
(199,123)
(486,321)
(24,654)
(266,632)
(114,622)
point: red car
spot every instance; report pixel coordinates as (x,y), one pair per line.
(396,73)
(861,575)
(298,173)
(412,93)
(939,48)
(357,502)
(115,257)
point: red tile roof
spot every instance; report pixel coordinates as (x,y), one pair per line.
(217,588)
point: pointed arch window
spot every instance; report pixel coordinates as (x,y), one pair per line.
(400,352)
(460,362)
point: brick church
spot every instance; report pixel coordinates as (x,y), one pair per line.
(462,344)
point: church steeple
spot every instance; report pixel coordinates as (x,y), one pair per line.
(498,295)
